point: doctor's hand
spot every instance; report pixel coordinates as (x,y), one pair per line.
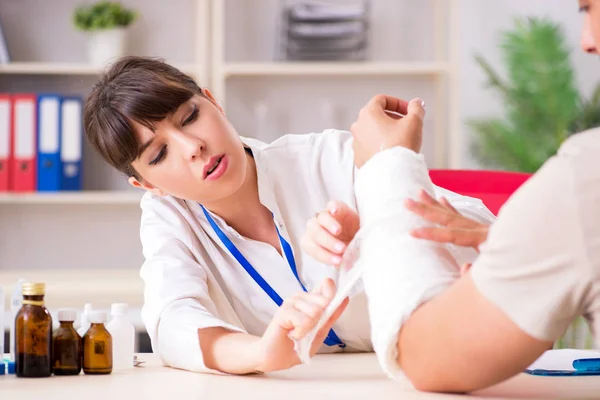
(378,127)
(329,232)
(452,226)
(296,317)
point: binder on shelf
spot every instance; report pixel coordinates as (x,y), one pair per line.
(23,143)
(48,157)
(4,55)
(5,147)
(71,142)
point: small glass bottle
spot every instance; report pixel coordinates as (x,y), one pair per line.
(97,346)
(66,359)
(33,334)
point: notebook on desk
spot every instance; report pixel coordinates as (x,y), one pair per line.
(566,362)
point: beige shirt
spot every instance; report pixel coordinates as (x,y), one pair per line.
(541,262)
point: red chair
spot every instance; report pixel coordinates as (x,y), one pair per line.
(492,187)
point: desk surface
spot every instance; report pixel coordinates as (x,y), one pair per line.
(340,376)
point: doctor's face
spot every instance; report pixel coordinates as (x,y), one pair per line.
(590,34)
(194,153)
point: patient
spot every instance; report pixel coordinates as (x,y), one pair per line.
(539,267)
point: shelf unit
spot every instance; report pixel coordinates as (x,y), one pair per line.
(113,215)
(86,244)
(199,69)
(95,197)
(334,69)
(442,70)
(41,68)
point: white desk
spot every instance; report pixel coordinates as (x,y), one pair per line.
(330,377)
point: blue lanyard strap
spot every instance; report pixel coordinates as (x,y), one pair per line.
(332,339)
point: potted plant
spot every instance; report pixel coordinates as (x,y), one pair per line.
(106,23)
(542,108)
(541,103)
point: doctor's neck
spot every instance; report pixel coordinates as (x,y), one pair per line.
(243,210)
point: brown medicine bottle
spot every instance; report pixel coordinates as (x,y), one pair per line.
(97,346)
(33,334)
(66,359)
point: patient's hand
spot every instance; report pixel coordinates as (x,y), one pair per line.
(329,232)
(455,228)
(377,129)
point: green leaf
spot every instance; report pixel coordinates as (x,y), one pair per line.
(541,102)
(103,15)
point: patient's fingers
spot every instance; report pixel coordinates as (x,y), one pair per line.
(431,213)
(384,102)
(460,237)
(447,204)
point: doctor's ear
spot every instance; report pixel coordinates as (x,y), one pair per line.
(212,99)
(145,185)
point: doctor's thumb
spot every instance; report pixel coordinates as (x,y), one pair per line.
(327,288)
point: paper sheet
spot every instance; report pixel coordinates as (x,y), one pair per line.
(562,360)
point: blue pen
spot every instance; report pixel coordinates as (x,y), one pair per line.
(587,364)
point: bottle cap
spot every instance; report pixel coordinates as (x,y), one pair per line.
(87,307)
(67,315)
(97,317)
(118,309)
(11,367)
(33,289)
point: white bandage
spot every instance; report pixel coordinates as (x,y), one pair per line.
(399,272)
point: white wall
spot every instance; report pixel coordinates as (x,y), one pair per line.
(481,22)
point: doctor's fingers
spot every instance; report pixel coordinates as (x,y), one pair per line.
(302,315)
(311,304)
(324,230)
(291,318)
(329,222)
(316,242)
(322,334)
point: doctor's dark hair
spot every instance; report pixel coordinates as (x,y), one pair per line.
(134,89)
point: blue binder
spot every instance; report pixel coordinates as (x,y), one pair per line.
(71,143)
(48,143)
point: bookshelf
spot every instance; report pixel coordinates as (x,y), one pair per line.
(228,46)
(92,234)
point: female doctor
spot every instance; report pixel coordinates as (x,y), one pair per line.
(226,287)
(538,269)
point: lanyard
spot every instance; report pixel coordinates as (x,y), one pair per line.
(332,339)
